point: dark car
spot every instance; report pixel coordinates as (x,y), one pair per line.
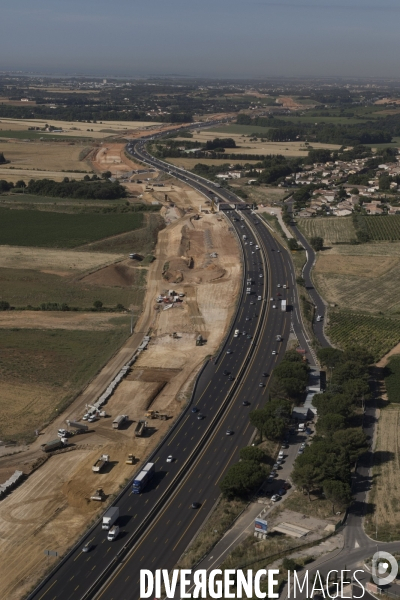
(231,378)
(265,374)
(226,372)
(245,403)
(286,485)
(248,336)
(87,547)
(229,432)
(229,351)
(200,416)
(195,409)
(195,505)
(282,492)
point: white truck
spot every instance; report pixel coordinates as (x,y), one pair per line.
(283,306)
(119,420)
(113,533)
(109,517)
(100,463)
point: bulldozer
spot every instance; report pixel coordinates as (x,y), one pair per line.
(98,495)
(154,414)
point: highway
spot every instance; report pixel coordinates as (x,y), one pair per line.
(174,524)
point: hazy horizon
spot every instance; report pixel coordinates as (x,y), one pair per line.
(221,39)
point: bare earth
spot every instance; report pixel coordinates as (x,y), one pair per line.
(54,261)
(160,379)
(42,157)
(57,320)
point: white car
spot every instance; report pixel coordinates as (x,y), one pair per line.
(85,417)
(274,306)
(279,285)
(271,299)
(170,458)
(274,352)
(275,498)
(92,419)
(260,275)
(259,298)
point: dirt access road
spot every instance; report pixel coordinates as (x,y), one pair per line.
(51,509)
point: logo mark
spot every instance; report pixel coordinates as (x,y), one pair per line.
(381,561)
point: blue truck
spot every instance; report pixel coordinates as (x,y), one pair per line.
(141,480)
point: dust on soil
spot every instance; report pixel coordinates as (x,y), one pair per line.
(121,274)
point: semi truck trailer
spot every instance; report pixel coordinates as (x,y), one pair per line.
(109,517)
(141,480)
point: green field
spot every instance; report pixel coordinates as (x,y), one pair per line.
(318,120)
(37,135)
(42,370)
(392,379)
(140,240)
(24,287)
(383,228)
(377,334)
(58,230)
(240,129)
(333,230)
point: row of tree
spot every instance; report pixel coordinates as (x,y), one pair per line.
(325,466)
(86,190)
(288,384)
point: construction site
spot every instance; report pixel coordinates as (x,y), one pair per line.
(79,462)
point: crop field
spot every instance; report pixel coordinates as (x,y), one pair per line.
(385,518)
(141,240)
(189,163)
(42,370)
(333,230)
(73,128)
(377,334)
(42,157)
(366,283)
(60,262)
(60,230)
(392,379)
(383,228)
(227,130)
(27,287)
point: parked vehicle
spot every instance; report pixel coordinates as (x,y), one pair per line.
(118,421)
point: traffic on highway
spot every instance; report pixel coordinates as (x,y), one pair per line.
(156,525)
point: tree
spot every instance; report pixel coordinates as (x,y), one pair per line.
(2,159)
(384,183)
(329,423)
(317,243)
(253,454)
(106,175)
(305,476)
(4,305)
(242,480)
(98,304)
(292,243)
(353,440)
(301,281)
(337,492)
(354,191)
(86,178)
(330,357)
(20,184)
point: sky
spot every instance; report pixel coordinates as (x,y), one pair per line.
(202,38)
